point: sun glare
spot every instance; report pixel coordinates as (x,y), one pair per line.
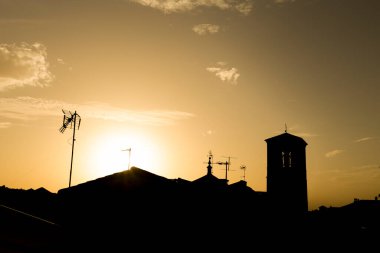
(114,153)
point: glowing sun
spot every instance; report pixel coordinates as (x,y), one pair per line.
(115,153)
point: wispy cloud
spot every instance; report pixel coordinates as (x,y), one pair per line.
(293,130)
(368,167)
(225,73)
(359,175)
(203,29)
(28,108)
(334,153)
(24,65)
(244,7)
(300,134)
(170,6)
(5,124)
(208,132)
(284,1)
(304,134)
(364,139)
(20,21)
(60,61)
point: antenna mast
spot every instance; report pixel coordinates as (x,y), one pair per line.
(227,163)
(70,119)
(129,156)
(243,167)
(210,161)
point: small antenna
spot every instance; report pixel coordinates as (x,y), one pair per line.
(227,166)
(243,167)
(129,156)
(70,119)
(286,128)
(227,163)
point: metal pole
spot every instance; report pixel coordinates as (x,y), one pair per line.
(129,158)
(226,169)
(72,149)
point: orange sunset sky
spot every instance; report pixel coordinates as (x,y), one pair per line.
(173,80)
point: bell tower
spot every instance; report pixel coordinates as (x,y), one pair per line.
(286,173)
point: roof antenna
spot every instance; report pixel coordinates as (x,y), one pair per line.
(69,119)
(129,156)
(286,128)
(243,167)
(227,163)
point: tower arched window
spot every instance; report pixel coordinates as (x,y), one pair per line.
(286,159)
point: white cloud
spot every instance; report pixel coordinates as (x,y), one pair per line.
(364,139)
(24,65)
(203,29)
(334,153)
(5,124)
(60,61)
(170,6)
(224,73)
(28,108)
(244,7)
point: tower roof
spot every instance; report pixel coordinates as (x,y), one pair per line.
(286,138)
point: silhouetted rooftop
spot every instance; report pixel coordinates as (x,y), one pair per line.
(132,179)
(363,205)
(210,180)
(286,138)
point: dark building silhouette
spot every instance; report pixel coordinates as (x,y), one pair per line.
(210,181)
(137,209)
(286,173)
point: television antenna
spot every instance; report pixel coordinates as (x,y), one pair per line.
(227,163)
(224,163)
(129,156)
(243,167)
(73,120)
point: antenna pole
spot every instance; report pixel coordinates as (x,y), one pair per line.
(129,158)
(228,165)
(72,148)
(68,120)
(226,168)
(243,167)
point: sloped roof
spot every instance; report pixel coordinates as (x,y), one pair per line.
(208,179)
(132,179)
(240,186)
(286,138)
